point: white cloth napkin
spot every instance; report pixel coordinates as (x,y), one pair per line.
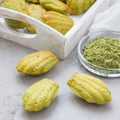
(115,2)
(106,21)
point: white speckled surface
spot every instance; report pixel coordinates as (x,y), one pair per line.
(66,106)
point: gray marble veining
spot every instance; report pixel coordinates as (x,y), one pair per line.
(66,106)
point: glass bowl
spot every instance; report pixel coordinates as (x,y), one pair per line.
(106,72)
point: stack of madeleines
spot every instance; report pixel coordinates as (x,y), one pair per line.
(51,12)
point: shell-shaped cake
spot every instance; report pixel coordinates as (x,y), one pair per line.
(37,63)
(40,95)
(79,6)
(58,21)
(89,88)
(55,5)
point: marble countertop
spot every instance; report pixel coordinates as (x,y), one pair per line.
(66,106)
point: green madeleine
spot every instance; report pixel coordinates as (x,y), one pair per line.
(40,95)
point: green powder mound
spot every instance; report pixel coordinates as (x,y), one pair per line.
(103,52)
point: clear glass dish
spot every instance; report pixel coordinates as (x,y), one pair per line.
(106,72)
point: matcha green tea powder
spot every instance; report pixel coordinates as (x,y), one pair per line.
(103,52)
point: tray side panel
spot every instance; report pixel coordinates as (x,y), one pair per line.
(45,38)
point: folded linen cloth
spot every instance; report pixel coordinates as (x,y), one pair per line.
(106,21)
(115,2)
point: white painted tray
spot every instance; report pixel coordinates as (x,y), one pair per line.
(46,37)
